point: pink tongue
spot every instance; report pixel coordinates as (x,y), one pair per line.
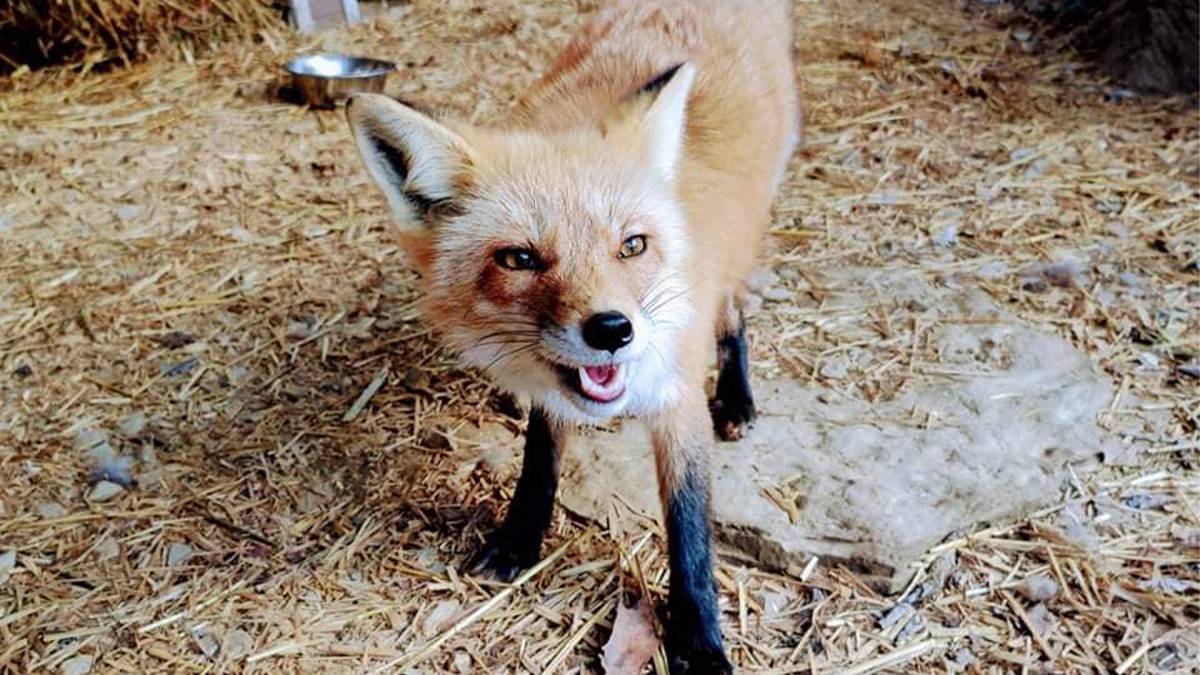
(600,374)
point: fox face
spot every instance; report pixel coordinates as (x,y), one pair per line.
(555,262)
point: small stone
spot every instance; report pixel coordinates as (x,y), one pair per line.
(107,548)
(113,470)
(104,491)
(993,270)
(835,369)
(178,553)
(8,560)
(1131,280)
(986,193)
(237,644)
(179,368)
(1190,369)
(1035,170)
(427,559)
(438,619)
(51,510)
(78,665)
(947,237)
(1038,587)
(133,424)
(773,603)
(462,662)
(1021,154)
(22,371)
(1169,585)
(302,328)
(776,294)
(127,212)
(1062,274)
(1041,620)
(895,615)
(205,641)
(1147,360)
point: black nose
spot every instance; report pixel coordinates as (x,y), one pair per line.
(607,330)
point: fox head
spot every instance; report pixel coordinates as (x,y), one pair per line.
(555,261)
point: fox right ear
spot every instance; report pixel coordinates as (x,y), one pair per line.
(420,165)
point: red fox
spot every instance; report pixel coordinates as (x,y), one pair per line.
(585,251)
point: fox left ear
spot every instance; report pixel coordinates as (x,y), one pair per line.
(420,165)
(657,117)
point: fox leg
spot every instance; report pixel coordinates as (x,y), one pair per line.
(693,629)
(517,544)
(733,405)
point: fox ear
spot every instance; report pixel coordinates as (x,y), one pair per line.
(656,117)
(420,165)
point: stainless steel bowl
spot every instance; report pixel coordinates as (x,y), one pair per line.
(323,80)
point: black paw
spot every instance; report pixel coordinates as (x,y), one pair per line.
(732,417)
(699,660)
(501,562)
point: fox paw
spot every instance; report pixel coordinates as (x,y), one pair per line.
(732,419)
(501,562)
(698,660)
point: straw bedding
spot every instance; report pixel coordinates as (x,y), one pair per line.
(35,33)
(228,444)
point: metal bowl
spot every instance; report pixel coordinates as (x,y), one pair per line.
(323,80)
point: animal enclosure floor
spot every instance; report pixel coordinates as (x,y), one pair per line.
(197,284)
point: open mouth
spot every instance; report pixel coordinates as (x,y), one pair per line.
(602,384)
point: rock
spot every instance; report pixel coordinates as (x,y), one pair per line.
(104,491)
(776,294)
(127,212)
(51,510)
(947,237)
(1148,360)
(107,548)
(836,368)
(993,270)
(855,484)
(462,662)
(205,641)
(8,560)
(1041,620)
(178,553)
(78,665)
(237,644)
(133,424)
(440,617)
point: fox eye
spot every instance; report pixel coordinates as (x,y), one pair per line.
(633,246)
(517,259)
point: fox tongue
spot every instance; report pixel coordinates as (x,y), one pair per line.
(601,383)
(601,375)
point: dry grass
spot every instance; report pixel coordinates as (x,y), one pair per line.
(35,33)
(202,278)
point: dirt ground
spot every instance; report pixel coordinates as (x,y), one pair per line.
(197,282)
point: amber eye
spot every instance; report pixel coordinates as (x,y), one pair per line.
(517,259)
(633,246)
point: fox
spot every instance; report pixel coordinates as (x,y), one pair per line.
(589,247)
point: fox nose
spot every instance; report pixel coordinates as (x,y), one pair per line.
(607,330)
